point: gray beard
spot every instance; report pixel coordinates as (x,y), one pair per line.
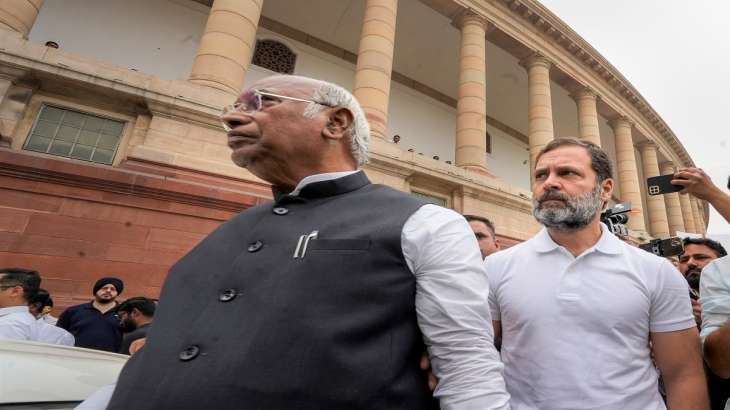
(576,213)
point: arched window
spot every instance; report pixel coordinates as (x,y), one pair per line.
(274,56)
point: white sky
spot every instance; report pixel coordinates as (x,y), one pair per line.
(677,54)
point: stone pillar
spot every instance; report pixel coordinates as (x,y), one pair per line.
(588,129)
(14,98)
(657,209)
(19,15)
(540,109)
(687,215)
(674,207)
(627,173)
(701,216)
(375,63)
(471,117)
(227,44)
(696,215)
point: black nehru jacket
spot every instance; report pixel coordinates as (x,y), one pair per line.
(244,324)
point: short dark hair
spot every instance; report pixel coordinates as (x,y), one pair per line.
(42,299)
(600,162)
(485,221)
(714,245)
(30,280)
(728,182)
(145,306)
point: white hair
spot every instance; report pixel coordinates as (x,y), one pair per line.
(333,95)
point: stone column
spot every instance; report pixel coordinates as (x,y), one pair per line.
(657,209)
(471,117)
(375,63)
(588,129)
(540,109)
(687,215)
(701,216)
(227,44)
(19,15)
(696,215)
(627,173)
(674,206)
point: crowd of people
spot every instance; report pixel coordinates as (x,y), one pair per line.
(101,324)
(342,294)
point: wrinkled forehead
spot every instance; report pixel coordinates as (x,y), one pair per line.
(565,156)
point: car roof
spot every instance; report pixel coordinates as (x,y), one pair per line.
(33,372)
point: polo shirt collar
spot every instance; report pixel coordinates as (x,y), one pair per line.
(608,243)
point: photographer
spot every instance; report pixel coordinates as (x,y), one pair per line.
(696,182)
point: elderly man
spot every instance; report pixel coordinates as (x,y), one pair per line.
(576,306)
(327,297)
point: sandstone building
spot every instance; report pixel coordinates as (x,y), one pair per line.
(113,161)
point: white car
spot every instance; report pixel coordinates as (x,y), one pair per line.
(44,376)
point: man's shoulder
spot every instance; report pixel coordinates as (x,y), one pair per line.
(76,308)
(516,251)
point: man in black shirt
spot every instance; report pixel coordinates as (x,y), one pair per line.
(94,324)
(135,314)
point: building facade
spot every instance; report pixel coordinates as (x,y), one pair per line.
(113,161)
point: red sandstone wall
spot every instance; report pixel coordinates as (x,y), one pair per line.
(74,222)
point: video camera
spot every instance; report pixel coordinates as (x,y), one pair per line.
(616,218)
(664,247)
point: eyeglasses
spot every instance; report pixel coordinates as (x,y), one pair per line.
(252,101)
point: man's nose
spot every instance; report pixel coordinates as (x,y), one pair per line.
(236,119)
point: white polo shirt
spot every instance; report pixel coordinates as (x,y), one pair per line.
(575,331)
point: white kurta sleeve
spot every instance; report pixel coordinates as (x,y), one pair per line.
(451,303)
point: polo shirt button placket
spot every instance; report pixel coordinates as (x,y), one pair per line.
(190,353)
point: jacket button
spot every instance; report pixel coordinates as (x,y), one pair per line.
(227,295)
(281,211)
(189,353)
(255,246)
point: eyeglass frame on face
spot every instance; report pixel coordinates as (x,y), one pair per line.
(236,107)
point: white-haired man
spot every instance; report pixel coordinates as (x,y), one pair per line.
(327,297)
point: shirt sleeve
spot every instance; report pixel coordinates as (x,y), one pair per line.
(714,296)
(491,276)
(64,320)
(671,309)
(451,305)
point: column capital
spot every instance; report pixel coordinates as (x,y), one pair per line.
(620,121)
(469,16)
(584,92)
(535,59)
(646,145)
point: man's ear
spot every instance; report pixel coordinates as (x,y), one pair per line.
(338,123)
(607,189)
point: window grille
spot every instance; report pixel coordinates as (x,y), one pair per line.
(274,56)
(431,199)
(73,134)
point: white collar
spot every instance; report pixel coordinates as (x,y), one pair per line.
(608,242)
(327,176)
(13,309)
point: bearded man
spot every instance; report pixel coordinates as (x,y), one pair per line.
(94,325)
(576,307)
